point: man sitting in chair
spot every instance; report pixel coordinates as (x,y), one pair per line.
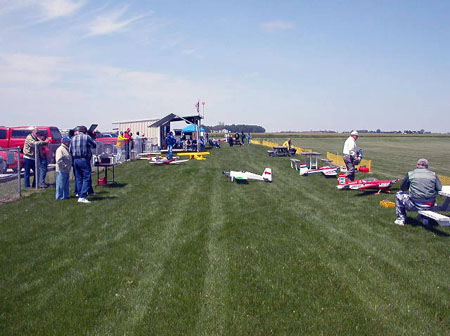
(423,186)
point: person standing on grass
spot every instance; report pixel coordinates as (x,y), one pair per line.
(243,137)
(43,160)
(63,165)
(170,142)
(81,147)
(29,157)
(350,152)
(249,138)
(127,136)
(419,189)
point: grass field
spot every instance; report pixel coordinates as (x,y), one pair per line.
(178,250)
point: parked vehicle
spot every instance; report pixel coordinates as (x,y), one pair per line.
(11,137)
(108,140)
(8,160)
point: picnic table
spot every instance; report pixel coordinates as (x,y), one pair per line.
(279,151)
(313,156)
(439,218)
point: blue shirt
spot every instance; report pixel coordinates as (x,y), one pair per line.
(80,146)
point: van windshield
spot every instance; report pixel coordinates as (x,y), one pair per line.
(56,134)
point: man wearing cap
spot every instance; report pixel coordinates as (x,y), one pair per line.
(29,156)
(81,149)
(350,152)
(423,186)
(63,166)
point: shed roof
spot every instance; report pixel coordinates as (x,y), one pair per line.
(173,117)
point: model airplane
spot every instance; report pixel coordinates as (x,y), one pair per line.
(370,183)
(325,170)
(243,176)
(164,161)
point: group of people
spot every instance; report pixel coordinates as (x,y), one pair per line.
(238,139)
(418,189)
(125,139)
(73,153)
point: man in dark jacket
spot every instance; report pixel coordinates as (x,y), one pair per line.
(423,186)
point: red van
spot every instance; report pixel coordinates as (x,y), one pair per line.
(15,136)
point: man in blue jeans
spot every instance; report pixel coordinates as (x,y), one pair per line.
(81,150)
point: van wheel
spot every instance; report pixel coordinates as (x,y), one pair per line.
(108,149)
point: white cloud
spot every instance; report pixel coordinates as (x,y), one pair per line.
(71,93)
(60,8)
(49,9)
(112,22)
(29,69)
(278,25)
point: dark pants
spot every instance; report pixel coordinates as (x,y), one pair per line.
(43,172)
(28,166)
(82,176)
(127,151)
(350,164)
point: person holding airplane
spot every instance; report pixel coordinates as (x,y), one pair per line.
(350,152)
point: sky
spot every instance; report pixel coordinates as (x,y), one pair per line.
(288,65)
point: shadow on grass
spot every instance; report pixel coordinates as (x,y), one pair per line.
(113,185)
(433,227)
(101,198)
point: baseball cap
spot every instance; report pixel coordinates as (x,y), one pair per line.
(65,139)
(354,133)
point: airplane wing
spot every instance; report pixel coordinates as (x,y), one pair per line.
(178,161)
(329,172)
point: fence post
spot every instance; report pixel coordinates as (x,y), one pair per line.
(19,168)
(36,164)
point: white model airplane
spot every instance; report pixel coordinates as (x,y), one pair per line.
(243,176)
(165,161)
(325,170)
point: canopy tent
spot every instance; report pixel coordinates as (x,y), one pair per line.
(192,128)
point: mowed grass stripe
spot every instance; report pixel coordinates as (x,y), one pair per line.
(176,302)
(212,318)
(156,242)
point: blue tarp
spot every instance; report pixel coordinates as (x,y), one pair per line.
(192,128)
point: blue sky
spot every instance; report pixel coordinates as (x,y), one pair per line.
(284,65)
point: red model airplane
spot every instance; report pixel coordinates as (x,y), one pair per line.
(370,183)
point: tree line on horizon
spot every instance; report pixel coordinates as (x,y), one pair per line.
(236,128)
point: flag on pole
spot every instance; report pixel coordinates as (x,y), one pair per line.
(198,106)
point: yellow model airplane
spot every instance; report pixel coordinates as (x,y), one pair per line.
(195,155)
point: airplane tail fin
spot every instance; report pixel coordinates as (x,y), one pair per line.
(267,175)
(342,179)
(303,169)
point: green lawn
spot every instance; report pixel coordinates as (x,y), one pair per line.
(178,250)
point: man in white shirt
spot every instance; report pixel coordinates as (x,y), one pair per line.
(350,152)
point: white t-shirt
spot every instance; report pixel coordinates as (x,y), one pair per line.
(350,146)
